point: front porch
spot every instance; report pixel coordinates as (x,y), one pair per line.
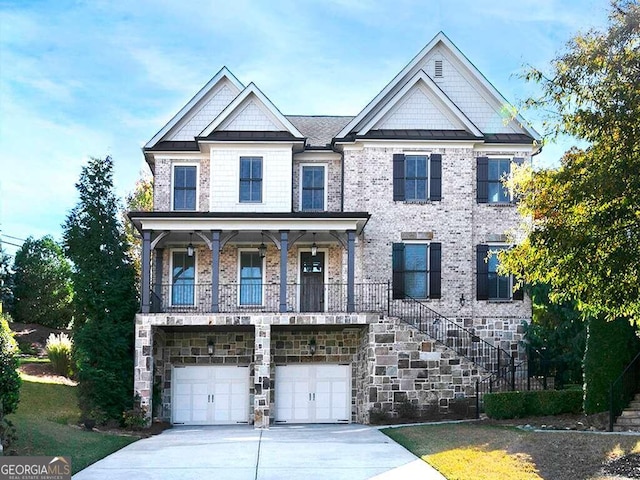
(265,298)
(200,262)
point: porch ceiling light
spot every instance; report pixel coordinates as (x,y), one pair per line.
(190,246)
(312,346)
(314,246)
(263,248)
(210,346)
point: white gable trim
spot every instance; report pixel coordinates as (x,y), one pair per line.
(211,84)
(239,100)
(440,37)
(242,108)
(421,76)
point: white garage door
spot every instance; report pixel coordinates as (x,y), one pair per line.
(210,395)
(313,393)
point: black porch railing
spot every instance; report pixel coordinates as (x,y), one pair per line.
(535,373)
(623,389)
(265,297)
(448,333)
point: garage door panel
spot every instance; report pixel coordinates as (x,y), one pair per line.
(313,393)
(205,395)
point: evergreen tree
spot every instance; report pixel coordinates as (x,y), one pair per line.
(105,300)
(42,284)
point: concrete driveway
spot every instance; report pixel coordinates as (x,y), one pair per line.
(335,452)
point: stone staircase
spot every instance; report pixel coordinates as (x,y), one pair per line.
(630,418)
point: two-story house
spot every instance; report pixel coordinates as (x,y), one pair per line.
(313,268)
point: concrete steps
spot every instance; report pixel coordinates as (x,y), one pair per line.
(629,420)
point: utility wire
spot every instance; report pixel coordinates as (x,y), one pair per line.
(10,243)
(10,236)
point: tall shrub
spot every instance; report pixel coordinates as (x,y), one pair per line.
(9,378)
(105,300)
(42,284)
(59,350)
(610,347)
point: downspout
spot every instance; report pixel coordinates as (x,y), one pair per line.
(341,152)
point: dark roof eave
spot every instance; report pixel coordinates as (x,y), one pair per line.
(266,215)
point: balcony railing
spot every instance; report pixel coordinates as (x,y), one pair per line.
(265,297)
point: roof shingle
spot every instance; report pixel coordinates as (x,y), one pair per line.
(319,129)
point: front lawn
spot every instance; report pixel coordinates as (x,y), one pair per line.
(473,451)
(46,423)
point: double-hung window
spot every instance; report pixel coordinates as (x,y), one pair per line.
(312,197)
(416,270)
(183,279)
(491,174)
(417,178)
(184,187)
(491,285)
(250,179)
(251,265)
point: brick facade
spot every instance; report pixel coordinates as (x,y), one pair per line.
(452,113)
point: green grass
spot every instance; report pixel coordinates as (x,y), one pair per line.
(473,451)
(32,359)
(464,452)
(46,424)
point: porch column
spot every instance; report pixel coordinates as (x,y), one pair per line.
(146,271)
(262,375)
(215,271)
(157,289)
(284,250)
(143,368)
(351,250)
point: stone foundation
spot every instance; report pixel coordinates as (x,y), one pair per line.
(391,362)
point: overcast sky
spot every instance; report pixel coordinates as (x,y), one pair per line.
(101,77)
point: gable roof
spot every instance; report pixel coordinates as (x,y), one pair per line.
(399,80)
(421,78)
(250,91)
(222,74)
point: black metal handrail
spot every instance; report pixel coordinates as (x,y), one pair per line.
(623,389)
(265,297)
(463,341)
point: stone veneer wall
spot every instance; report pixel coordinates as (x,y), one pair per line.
(390,361)
(190,348)
(291,347)
(405,365)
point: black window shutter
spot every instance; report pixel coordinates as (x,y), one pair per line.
(398,177)
(518,161)
(482,175)
(398,270)
(435,188)
(435,270)
(518,293)
(482,283)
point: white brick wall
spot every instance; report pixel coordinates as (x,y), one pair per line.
(250,117)
(276,179)
(457,222)
(416,111)
(210,107)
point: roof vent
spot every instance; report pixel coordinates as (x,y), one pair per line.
(438,69)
